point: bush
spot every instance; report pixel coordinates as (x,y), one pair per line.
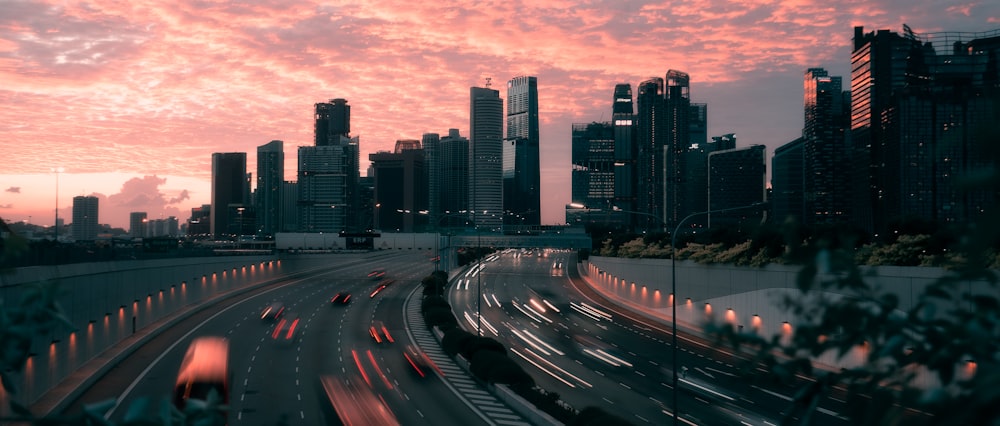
(441,317)
(478,343)
(432,302)
(454,339)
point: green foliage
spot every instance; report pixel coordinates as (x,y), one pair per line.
(454,339)
(441,317)
(478,344)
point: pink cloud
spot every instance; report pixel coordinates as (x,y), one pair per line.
(154,89)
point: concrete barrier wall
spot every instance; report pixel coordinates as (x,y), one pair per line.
(107,302)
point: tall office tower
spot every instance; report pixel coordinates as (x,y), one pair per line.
(137,224)
(327,187)
(826,189)
(432,164)
(787,180)
(521,168)
(454,179)
(677,98)
(694,194)
(920,114)
(270,187)
(85,225)
(400,187)
(333,120)
(879,67)
(650,121)
(593,172)
(736,178)
(485,158)
(626,150)
(229,186)
(289,206)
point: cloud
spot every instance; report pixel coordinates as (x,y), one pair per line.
(141,195)
(6,206)
(14,190)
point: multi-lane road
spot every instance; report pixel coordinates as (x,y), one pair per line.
(575,343)
(569,339)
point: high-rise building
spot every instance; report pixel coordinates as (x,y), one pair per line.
(290,206)
(453,163)
(593,173)
(432,164)
(485,158)
(626,149)
(736,178)
(400,188)
(521,168)
(329,174)
(333,120)
(270,187)
(921,106)
(650,121)
(229,191)
(327,182)
(85,224)
(787,180)
(137,224)
(695,159)
(677,99)
(826,186)
(200,223)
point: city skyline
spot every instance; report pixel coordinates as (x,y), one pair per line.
(132,103)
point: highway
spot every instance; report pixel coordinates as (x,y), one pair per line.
(575,343)
(274,381)
(571,340)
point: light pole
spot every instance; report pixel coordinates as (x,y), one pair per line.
(57,170)
(239,237)
(673,286)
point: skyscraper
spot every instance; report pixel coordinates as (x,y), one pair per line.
(736,179)
(521,168)
(651,139)
(454,179)
(485,158)
(677,99)
(432,164)
(625,150)
(333,120)
(787,179)
(920,113)
(825,189)
(229,186)
(85,223)
(270,187)
(400,187)
(329,174)
(593,173)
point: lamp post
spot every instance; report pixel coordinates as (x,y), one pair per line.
(239,236)
(57,171)
(673,286)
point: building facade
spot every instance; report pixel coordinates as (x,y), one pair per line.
(485,158)
(270,187)
(826,188)
(626,149)
(453,194)
(787,180)
(400,188)
(229,191)
(137,224)
(593,172)
(85,218)
(521,167)
(332,121)
(736,179)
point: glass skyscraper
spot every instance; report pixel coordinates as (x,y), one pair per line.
(485,158)
(521,168)
(270,187)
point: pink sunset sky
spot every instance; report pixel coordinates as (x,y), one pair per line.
(131,98)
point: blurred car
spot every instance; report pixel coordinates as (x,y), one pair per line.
(376,291)
(377,274)
(286,331)
(418,360)
(340,299)
(380,333)
(273,311)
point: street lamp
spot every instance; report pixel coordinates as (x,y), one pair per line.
(673,285)
(57,170)
(239,237)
